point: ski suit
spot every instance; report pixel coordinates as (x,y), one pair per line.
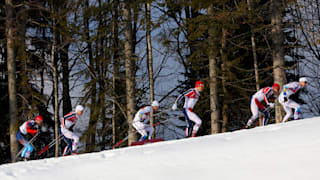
(287,103)
(142,115)
(265,94)
(30,127)
(191,97)
(67,124)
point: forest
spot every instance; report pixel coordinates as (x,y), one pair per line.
(115,56)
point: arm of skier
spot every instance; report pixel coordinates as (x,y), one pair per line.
(285,89)
(31,128)
(290,89)
(142,113)
(179,98)
(265,97)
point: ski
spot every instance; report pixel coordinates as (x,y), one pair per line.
(126,138)
(48,146)
(161,112)
(148,141)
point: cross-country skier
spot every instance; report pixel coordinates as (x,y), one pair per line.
(289,104)
(143,115)
(267,95)
(28,127)
(67,123)
(191,97)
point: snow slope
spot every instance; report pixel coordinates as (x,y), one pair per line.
(288,151)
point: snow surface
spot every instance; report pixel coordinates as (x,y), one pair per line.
(280,152)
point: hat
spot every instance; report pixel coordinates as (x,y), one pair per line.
(155,103)
(303,79)
(79,108)
(199,84)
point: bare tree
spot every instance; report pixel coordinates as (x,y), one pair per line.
(149,56)
(225,106)
(116,66)
(64,57)
(91,132)
(55,80)
(306,14)
(277,51)
(254,51)
(11,64)
(214,101)
(129,66)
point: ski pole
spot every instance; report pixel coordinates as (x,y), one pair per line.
(48,146)
(161,112)
(126,138)
(30,142)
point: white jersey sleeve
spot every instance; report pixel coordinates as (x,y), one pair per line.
(264,94)
(290,89)
(143,114)
(69,120)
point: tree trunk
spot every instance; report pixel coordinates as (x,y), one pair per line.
(213,84)
(23,88)
(116,66)
(254,52)
(11,64)
(225,107)
(64,57)
(129,66)
(277,51)
(255,60)
(93,91)
(55,84)
(149,56)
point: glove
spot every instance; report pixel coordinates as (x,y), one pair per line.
(285,99)
(271,105)
(174,107)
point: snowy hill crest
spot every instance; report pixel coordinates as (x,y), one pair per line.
(280,151)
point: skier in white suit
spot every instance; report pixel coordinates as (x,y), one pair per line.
(267,95)
(143,115)
(68,121)
(191,98)
(289,104)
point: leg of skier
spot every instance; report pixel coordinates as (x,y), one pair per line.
(193,117)
(189,128)
(75,144)
(68,148)
(255,113)
(296,108)
(296,113)
(189,123)
(149,130)
(28,152)
(25,154)
(266,115)
(75,139)
(288,111)
(140,127)
(288,106)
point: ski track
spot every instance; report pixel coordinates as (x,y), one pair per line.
(288,151)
